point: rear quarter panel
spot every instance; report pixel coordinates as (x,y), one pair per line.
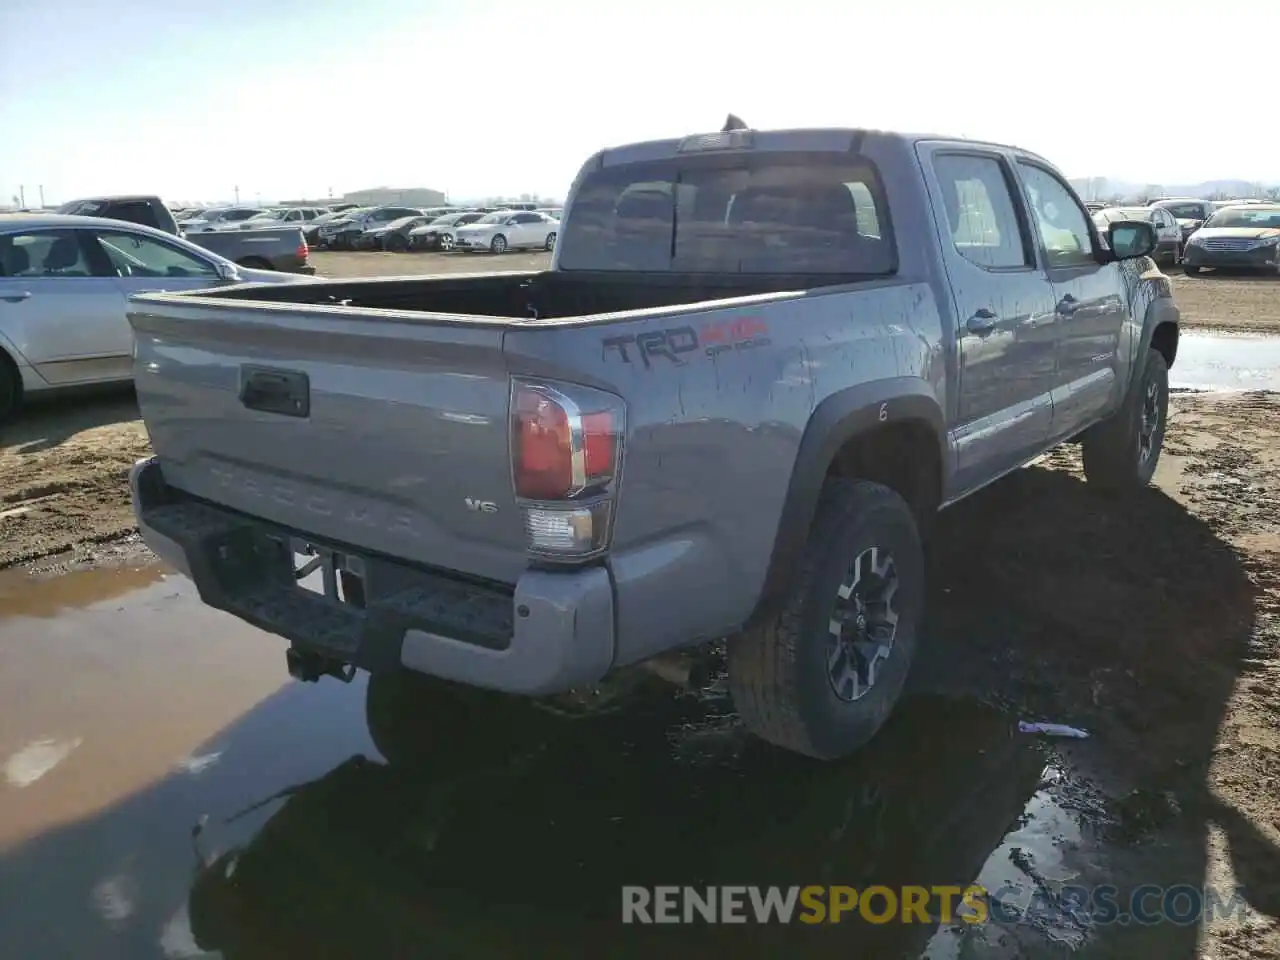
(717,403)
(719,400)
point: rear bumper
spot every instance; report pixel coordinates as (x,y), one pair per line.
(553,631)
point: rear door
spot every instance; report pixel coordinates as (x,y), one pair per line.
(1004,311)
(527,231)
(60,309)
(1090,302)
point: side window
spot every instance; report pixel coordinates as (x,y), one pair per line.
(1064,230)
(134,255)
(528,218)
(981,211)
(43,253)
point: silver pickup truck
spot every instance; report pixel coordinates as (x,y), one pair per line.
(759,365)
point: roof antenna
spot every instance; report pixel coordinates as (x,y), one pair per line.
(733,123)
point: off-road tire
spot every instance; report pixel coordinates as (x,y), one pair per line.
(778,671)
(1112,450)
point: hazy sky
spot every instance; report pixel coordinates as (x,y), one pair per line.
(286,98)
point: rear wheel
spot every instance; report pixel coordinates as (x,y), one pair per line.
(1191,270)
(821,677)
(1121,453)
(498,244)
(446,242)
(255,263)
(397,243)
(551,242)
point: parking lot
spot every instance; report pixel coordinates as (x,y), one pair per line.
(1157,630)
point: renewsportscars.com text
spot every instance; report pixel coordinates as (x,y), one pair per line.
(823,904)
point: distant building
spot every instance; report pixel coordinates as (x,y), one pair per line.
(409,197)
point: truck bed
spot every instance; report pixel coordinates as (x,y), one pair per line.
(541,295)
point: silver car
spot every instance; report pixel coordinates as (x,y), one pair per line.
(64,288)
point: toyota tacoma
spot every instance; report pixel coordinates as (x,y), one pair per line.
(759,364)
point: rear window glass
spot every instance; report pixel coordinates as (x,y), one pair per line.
(759,214)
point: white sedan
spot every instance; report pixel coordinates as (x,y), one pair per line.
(508,230)
(65,283)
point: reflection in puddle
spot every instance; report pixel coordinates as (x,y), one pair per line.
(521,827)
(36,759)
(1025,874)
(1227,362)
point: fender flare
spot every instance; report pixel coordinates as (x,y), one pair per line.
(834,422)
(1159,311)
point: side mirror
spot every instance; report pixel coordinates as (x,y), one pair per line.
(228,271)
(1131,238)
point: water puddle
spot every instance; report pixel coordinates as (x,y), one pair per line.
(111,678)
(167,787)
(24,595)
(1215,361)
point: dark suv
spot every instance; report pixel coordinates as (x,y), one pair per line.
(148,211)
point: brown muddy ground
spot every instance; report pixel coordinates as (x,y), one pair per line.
(1157,628)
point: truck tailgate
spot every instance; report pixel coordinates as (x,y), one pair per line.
(369,429)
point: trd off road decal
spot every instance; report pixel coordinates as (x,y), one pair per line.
(677,344)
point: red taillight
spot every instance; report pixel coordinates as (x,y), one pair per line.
(303,251)
(563,445)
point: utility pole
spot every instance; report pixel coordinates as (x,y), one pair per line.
(237,196)
(22,197)
(42,196)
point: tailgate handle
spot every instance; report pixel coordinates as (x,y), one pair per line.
(286,392)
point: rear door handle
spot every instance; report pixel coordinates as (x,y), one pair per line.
(17,297)
(984,321)
(1068,305)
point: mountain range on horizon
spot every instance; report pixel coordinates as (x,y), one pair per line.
(1108,188)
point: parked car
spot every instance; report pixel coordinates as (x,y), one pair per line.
(269,248)
(280,217)
(1190,212)
(734,423)
(1168,232)
(507,230)
(64,284)
(341,232)
(217,218)
(311,231)
(438,234)
(1244,236)
(146,210)
(393,236)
